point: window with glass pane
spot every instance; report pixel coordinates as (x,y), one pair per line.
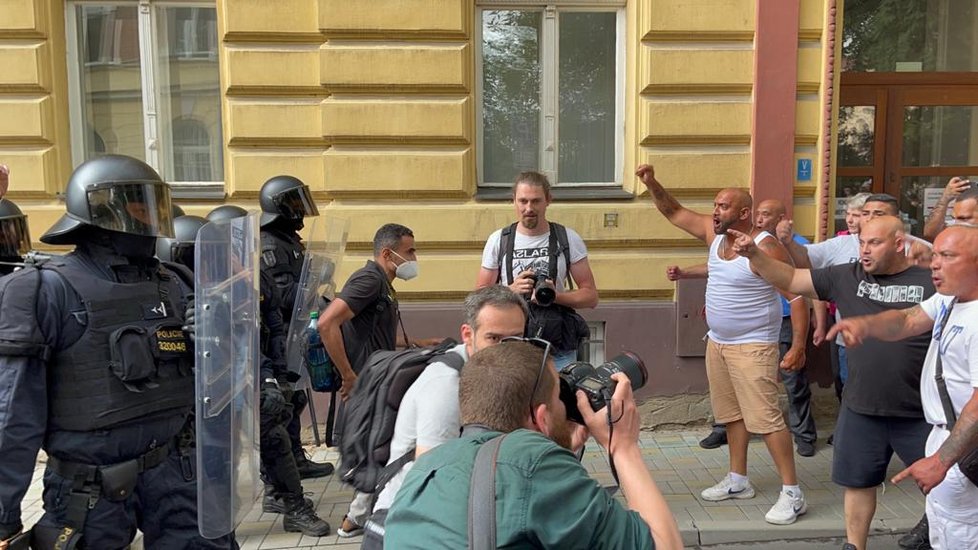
(550,95)
(909,35)
(176,126)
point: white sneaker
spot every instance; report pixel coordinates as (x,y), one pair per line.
(787,509)
(727,489)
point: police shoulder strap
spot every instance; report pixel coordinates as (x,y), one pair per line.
(482,496)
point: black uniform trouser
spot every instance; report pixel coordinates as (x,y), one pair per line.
(277,458)
(294,427)
(163,506)
(800,418)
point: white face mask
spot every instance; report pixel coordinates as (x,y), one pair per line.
(406,271)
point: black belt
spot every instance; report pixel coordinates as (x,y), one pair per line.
(66,469)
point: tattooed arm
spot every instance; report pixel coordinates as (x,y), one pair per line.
(697,225)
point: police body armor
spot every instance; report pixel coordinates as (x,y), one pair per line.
(282,255)
(133,361)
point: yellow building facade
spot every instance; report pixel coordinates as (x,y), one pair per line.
(383,108)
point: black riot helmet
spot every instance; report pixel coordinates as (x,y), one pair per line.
(115,193)
(226,212)
(180,248)
(286,197)
(15,236)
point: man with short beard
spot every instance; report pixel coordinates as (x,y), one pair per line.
(744,316)
(881,410)
(544,497)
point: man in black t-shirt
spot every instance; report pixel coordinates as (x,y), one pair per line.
(881,410)
(363,319)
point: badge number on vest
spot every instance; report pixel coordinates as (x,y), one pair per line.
(154,311)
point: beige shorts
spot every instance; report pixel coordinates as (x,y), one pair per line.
(744,385)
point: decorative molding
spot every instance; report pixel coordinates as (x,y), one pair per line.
(681,140)
(398,140)
(24,141)
(457,296)
(806,139)
(373,35)
(810,34)
(698,36)
(30,195)
(276,91)
(808,87)
(22,34)
(697,89)
(279,142)
(402,89)
(592,244)
(265,37)
(399,194)
(23,89)
(828,97)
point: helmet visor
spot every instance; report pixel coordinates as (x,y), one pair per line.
(137,208)
(296,203)
(15,238)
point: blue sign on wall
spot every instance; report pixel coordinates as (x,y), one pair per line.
(804,169)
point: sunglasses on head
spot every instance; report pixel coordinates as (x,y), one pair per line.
(547,352)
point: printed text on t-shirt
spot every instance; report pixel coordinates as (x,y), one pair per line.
(891,294)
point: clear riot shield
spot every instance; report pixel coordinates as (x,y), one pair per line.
(324,250)
(227,339)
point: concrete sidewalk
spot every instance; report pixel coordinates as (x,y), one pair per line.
(681,470)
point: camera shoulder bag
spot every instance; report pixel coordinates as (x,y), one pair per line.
(482,496)
(969,462)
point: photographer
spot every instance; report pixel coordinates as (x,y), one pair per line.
(534,257)
(544,497)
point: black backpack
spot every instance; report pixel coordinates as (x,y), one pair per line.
(370,412)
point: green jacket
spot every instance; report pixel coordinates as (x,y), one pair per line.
(544,499)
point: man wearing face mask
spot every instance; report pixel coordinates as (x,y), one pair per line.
(96,370)
(363,319)
(285,203)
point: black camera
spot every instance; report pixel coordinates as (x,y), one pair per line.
(544,290)
(596,383)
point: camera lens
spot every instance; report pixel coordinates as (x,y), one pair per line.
(545,293)
(628,363)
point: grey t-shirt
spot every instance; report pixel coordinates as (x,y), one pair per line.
(884,377)
(428,417)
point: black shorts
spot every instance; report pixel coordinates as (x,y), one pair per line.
(864,444)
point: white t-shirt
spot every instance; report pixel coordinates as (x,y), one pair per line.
(741,308)
(529,251)
(428,417)
(843,249)
(958,345)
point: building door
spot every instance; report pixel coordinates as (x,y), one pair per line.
(908,103)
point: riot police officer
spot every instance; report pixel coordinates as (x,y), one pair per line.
(15,237)
(285,203)
(96,369)
(180,248)
(283,489)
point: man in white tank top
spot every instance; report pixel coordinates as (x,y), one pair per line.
(744,316)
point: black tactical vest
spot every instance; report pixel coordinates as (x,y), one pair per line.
(283,257)
(132,362)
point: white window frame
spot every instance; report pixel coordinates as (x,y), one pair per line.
(150,72)
(549,145)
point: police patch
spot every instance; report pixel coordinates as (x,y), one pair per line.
(268,258)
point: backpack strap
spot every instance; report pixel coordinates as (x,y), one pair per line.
(482,496)
(563,247)
(505,251)
(949,416)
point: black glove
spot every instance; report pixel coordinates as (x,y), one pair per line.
(190,320)
(272,401)
(8,530)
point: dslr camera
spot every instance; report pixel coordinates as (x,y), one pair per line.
(544,290)
(596,383)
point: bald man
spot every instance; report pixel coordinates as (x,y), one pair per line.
(744,316)
(953,316)
(881,409)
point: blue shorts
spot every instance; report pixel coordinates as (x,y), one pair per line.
(864,444)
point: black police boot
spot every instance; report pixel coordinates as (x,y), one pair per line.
(300,517)
(309,469)
(918,538)
(275,504)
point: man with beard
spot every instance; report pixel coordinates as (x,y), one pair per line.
(744,316)
(544,497)
(881,411)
